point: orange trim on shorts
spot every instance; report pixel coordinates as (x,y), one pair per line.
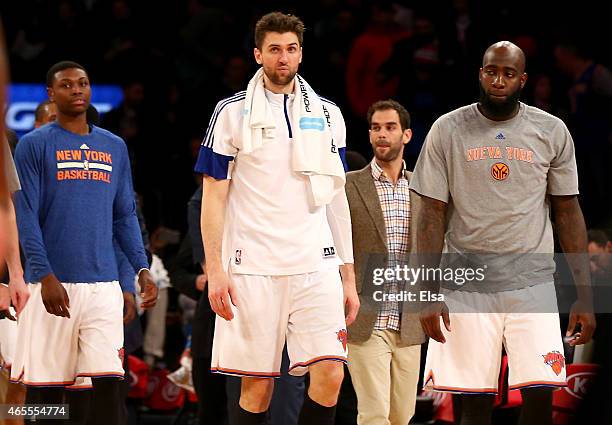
(463,390)
(318,359)
(245,373)
(98,374)
(430,377)
(45,384)
(78,387)
(18,380)
(539,383)
(63,383)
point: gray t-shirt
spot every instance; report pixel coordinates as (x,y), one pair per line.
(495,177)
(12,180)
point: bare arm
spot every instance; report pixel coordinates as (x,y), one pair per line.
(212,222)
(13,260)
(428,228)
(17,287)
(571,230)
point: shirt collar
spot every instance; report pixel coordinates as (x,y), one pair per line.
(379,174)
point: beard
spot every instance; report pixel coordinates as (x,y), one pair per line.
(496,107)
(279,80)
(393,151)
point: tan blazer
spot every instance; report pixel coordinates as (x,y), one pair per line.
(369,243)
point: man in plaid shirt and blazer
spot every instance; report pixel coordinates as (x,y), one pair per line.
(385,339)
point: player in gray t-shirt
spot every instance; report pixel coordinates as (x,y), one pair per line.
(487,177)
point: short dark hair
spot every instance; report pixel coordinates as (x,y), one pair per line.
(598,237)
(385,105)
(278,22)
(60,66)
(40,109)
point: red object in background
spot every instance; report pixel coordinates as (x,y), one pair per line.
(566,401)
(139,377)
(443,407)
(163,394)
(192,397)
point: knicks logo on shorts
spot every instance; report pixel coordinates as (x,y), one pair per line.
(342,337)
(500,171)
(555,360)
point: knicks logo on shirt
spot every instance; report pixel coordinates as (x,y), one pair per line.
(500,171)
(84,164)
(555,360)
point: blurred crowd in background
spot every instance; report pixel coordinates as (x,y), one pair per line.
(175,59)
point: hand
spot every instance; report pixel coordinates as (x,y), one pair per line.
(20,294)
(129,307)
(581,313)
(430,320)
(221,292)
(148,289)
(54,296)
(201,282)
(5,303)
(351,298)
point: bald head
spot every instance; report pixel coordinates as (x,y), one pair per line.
(502,77)
(507,52)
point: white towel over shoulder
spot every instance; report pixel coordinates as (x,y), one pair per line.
(314,152)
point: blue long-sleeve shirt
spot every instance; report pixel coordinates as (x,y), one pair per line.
(76,194)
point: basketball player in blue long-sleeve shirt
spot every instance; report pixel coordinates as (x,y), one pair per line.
(76,195)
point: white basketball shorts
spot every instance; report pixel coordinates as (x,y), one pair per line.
(54,351)
(305,310)
(469,361)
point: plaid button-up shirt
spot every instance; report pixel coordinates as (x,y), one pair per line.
(395,205)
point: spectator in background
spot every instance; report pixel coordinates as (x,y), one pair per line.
(369,51)
(416,62)
(127,119)
(155,332)
(45,112)
(591,108)
(68,18)
(120,32)
(334,31)
(541,95)
(600,253)
(463,36)
(203,41)
(596,408)
(30,46)
(189,278)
